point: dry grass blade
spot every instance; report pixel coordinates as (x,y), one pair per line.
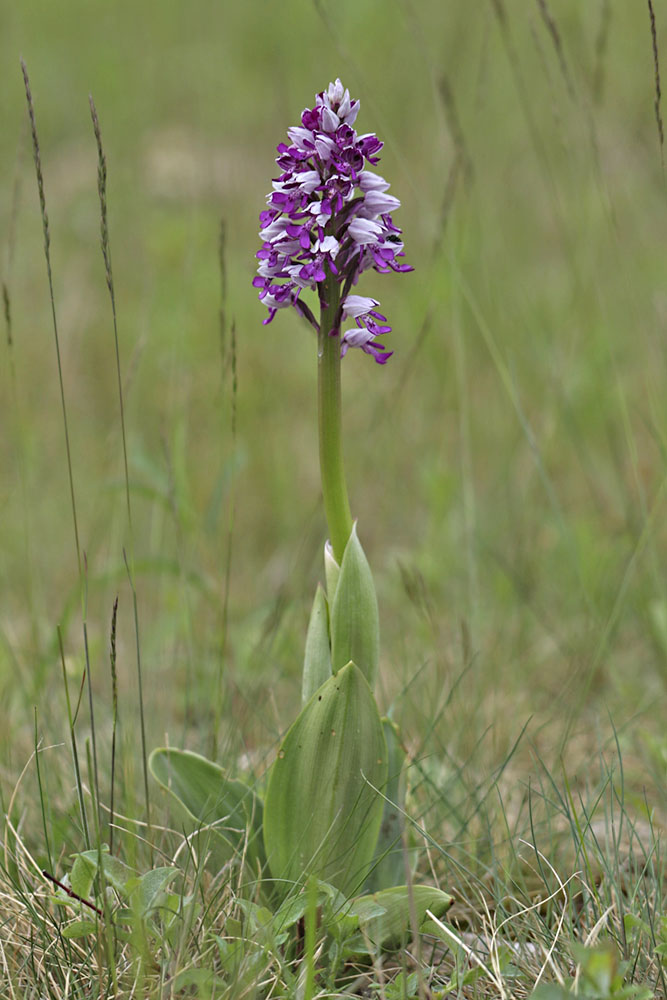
(658,92)
(470,952)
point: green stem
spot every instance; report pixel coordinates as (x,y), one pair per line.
(334,489)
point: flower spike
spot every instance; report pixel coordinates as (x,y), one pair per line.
(328,216)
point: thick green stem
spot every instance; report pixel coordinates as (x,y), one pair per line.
(334,489)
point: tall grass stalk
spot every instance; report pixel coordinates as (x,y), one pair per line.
(17,406)
(49,272)
(129,564)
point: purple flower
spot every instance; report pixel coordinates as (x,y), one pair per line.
(328,215)
(370,325)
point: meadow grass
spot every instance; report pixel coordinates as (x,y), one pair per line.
(507,466)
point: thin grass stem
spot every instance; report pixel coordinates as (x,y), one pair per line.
(231,512)
(129,563)
(47,254)
(71,719)
(114,717)
(43,800)
(142,722)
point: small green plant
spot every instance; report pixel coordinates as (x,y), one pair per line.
(142,910)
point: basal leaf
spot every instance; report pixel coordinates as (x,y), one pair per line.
(389,860)
(226,807)
(384,916)
(317,660)
(322,813)
(354,624)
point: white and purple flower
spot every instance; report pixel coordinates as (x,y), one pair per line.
(329,215)
(371,324)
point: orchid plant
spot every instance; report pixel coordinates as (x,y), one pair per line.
(331,818)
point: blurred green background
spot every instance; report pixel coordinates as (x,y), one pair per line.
(507,466)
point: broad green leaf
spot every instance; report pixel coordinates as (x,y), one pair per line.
(389,860)
(384,916)
(322,812)
(82,876)
(149,888)
(205,981)
(317,660)
(354,624)
(226,807)
(256,914)
(632,922)
(116,873)
(328,901)
(79,928)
